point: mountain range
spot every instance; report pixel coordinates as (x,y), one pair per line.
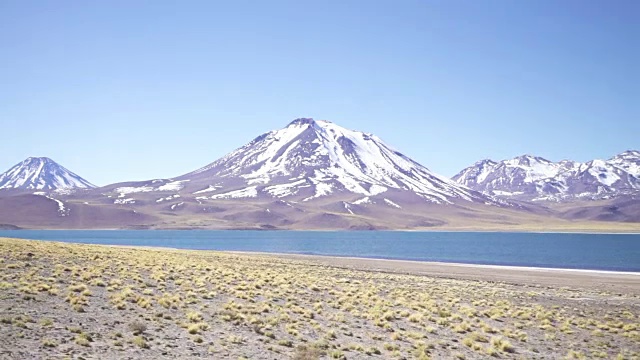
(534,178)
(314,174)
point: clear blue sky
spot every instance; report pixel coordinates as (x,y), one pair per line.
(135,90)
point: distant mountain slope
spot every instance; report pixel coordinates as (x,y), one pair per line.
(308,175)
(317,175)
(534,178)
(312,159)
(41,173)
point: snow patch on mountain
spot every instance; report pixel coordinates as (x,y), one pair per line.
(507,193)
(322,189)
(62,210)
(287,189)
(377,189)
(249,192)
(124,201)
(347,207)
(167,185)
(168,198)
(392,203)
(172,186)
(126,190)
(364,200)
(208,189)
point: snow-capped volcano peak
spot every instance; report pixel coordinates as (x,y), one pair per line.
(41,173)
(314,158)
(302,122)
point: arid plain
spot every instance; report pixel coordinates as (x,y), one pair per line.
(87,301)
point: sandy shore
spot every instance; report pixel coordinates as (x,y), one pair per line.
(602,280)
(612,281)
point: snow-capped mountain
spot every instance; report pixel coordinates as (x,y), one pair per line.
(41,173)
(318,175)
(312,159)
(534,178)
(628,161)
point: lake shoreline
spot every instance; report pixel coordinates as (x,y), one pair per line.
(606,231)
(407,262)
(617,281)
(584,253)
(603,280)
(404,263)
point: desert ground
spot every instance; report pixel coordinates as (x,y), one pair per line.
(60,300)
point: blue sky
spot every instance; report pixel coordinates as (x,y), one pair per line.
(122,90)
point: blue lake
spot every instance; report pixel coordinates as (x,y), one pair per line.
(619,252)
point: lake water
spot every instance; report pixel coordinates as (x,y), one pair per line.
(620,252)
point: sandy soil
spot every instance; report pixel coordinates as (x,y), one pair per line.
(98,302)
(611,281)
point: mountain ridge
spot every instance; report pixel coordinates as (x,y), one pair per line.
(533,178)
